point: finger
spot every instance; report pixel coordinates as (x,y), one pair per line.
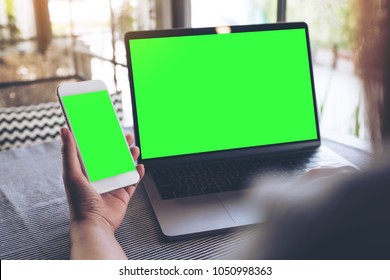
(329,170)
(135,152)
(129,139)
(326,171)
(141,171)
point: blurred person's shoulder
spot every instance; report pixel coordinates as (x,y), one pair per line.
(346,219)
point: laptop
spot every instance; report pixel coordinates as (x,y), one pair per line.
(214,110)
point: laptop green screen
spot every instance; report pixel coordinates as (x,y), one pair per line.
(214,92)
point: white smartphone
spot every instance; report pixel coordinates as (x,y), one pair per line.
(101,144)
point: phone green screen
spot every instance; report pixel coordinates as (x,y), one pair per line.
(98,134)
(204,93)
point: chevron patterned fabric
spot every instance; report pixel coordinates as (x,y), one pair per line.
(34,124)
(27,125)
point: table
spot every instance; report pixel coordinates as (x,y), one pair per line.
(34,217)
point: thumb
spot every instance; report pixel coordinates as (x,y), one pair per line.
(76,183)
(70,161)
(77,186)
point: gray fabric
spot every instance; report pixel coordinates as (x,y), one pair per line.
(34,218)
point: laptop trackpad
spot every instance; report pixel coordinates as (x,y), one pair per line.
(242,206)
(189,215)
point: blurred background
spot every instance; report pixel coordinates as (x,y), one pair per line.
(46,42)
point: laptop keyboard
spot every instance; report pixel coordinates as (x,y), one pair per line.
(214,177)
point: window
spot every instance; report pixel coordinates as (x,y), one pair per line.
(231,12)
(79,39)
(339,92)
(331,28)
(85,41)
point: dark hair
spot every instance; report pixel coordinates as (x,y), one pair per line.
(374,66)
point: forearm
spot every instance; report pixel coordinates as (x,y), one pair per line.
(94,242)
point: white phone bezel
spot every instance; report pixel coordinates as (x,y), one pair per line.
(111,183)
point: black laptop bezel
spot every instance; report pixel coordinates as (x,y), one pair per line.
(234,153)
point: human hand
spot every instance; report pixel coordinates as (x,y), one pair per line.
(310,188)
(86,205)
(324,172)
